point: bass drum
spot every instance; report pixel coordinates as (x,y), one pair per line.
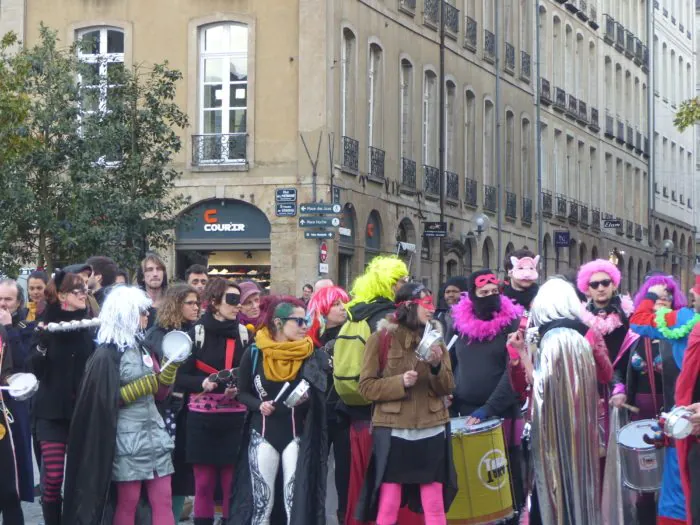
(642,463)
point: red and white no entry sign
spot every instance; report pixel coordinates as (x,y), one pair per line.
(323,252)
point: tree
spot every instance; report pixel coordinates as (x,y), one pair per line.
(688,114)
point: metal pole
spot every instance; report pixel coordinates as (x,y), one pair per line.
(538,140)
(651,121)
(499,172)
(441,146)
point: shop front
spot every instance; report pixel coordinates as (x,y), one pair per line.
(230,237)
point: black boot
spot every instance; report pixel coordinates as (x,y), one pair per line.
(52,512)
(204,521)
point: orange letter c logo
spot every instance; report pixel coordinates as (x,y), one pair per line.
(210,217)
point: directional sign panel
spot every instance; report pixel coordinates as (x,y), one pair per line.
(320,207)
(318,235)
(286,195)
(612,223)
(434,229)
(285,209)
(319,222)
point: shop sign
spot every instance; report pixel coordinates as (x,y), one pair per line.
(562,239)
(612,224)
(225,219)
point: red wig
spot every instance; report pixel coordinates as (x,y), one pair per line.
(320,305)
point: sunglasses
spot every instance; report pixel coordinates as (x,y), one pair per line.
(300,321)
(79,291)
(604,283)
(233,299)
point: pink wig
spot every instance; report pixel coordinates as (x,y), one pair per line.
(320,304)
(599,265)
(679,300)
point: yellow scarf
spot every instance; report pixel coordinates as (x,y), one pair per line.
(282,361)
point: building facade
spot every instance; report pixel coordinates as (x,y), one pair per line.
(674,152)
(340,101)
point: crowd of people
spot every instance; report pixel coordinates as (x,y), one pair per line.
(400,385)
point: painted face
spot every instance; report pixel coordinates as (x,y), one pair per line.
(452,295)
(198,281)
(425,308)
(190,307)
(74,300)
(225,309)
(251,306)
(36,288)
(294,327)
(9,300)
(153,275)
(337,315)
(601,288)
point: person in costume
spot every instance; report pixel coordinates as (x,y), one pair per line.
(326,310)
(281,436)
(569,357)
(487,324)
(58,360)
(674,327)
(215,416)
(411,440)
(179,311)
(522,286)
(121,445)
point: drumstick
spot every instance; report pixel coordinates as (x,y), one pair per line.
(282,391)
(631,408)
(452,342)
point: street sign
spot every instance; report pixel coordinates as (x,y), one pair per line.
(612,223)
(562,239)
(323,252)
(320,207)
(318,235)
(286,209)
(322,268)
(434,229)
(319,222)
(286,195)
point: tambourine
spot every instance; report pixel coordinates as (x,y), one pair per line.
(71,326)
(177,347)
(430,339)
(21,386)
(298,395)
(676,423)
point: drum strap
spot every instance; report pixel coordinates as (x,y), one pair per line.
(228,363)
(651,372)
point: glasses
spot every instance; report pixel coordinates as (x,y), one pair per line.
(79,291)
(300,321)
(604,283)
(191,303)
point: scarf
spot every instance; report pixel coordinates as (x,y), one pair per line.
(523,297)
(282,361)
(252,321)
(468,324)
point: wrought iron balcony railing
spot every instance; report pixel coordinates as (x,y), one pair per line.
(545,92)
(629,229)
(451,19)
(407,5)
(573,212)
(594,124)
(470,33)
(638,147)
(431,180)
(510,58)
(431,12)
(408,173)
(646,146)
(673,195)
(609,126)
(572,108)
(376,163)
(593,20)
(638,232)
(595,219)
(621,229)
(583,10)
(490,198)
(629,43)
(630,136)
(489,46)
(619,36)
(561,206)
(638,51)
(609,34)
(511,205)
(351,154)
(471,198)
(547,203)
(583,215)
(559,99)
(525,66)
(582,112)
(681,27)
(219,149)
(620,132)
(645,58)
(527,210)
(452,186)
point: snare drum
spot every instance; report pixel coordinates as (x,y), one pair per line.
(642,464)
(483,478)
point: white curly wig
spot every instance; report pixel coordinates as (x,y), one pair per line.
(120,317)
(556,299)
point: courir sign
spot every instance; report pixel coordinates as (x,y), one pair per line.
(223,221)
(212,224)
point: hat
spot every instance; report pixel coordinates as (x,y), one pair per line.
(78,268)
(458,282)
(248,288)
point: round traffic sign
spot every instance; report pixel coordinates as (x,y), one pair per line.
(323,252)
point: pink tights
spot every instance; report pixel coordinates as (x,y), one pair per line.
(431,498)
(159,496)
(205,485)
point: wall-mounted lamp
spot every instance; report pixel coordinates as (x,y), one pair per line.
(667,248)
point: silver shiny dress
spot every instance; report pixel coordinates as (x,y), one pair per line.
(565,438)
(143,448)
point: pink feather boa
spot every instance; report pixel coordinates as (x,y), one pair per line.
(467,324)
(609,323)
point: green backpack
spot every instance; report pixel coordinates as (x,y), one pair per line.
(348,354)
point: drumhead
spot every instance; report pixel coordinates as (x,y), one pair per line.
(459,426)
(21,384)
(176,345)
(632,434)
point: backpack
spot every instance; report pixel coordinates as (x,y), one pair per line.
(347,361)
(199,335)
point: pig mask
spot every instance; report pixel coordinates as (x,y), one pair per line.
(525,269)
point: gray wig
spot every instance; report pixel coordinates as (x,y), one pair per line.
(556,299)
(120,317)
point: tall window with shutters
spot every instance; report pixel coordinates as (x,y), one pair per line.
(374,99)
(489,142)
(406,109)
(450,92)
(525,148)
(470,135)
(510,146)
(430,131)
(348,62)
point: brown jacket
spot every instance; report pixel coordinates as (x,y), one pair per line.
(416,407)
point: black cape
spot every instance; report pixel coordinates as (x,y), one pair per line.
(88,494)
(309,506)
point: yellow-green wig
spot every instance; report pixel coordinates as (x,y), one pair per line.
(378,280)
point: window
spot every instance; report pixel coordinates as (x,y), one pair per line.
(571,174)
(508,21)
(374,99)
(569,65)
(579,68)
(559,186)
(592,179)
(609,88)
(489,142)
(102,49)
(510,146)
(406,109)
(526,25)
(347,84)
(525,143)
(656,61)
(489,17)
(451,90)
(592,75)
(430,127)
(558,44)
(223,73)
(581,175)
(544,146)
(672,90)
(470,136)
(608,199)
(544,57)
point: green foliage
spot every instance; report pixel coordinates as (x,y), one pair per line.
(91,182)
(688,114)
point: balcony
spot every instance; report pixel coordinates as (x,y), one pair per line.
(573,212)
(351,155)
(219,149)
(525,66)
(673,20)
(431,13)
(646,147)
(690,207)
(547,203)
(527,211)
(451,20)
(638,143)
(408,173)
(489,46)
(609,126)
(559,99)
(630,136)
(561,206)
(431,181)
(619,36)
(545,92)
(511,205)
(583,215)
(470,33)
(609,35)
(629,44)
(638,232)
(572,107)
(656,187)
(452,186)
(572,5)
(594,124)
(621,229)
(582,112)
(629,229)
(470,193)
(595,219)
(681,199)
(665,192)
(593,20)
(638,51)
(407,6)
(490,198)
(510,59)
(673,196)
(583,13)
(376,163)
(645,58)
(620,137)
(681,27)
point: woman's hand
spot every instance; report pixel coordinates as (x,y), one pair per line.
(267,408)
(231,392)
(516,340)
(436,352)
(410,378)
(618,400)
(208,386)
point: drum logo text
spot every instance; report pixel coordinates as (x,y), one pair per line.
(493,468)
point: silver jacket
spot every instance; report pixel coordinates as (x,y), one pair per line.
(143,446)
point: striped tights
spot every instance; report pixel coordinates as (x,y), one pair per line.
(53,459)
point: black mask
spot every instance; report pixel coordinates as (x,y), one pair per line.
(486,307)
(233,299)
(523,297)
